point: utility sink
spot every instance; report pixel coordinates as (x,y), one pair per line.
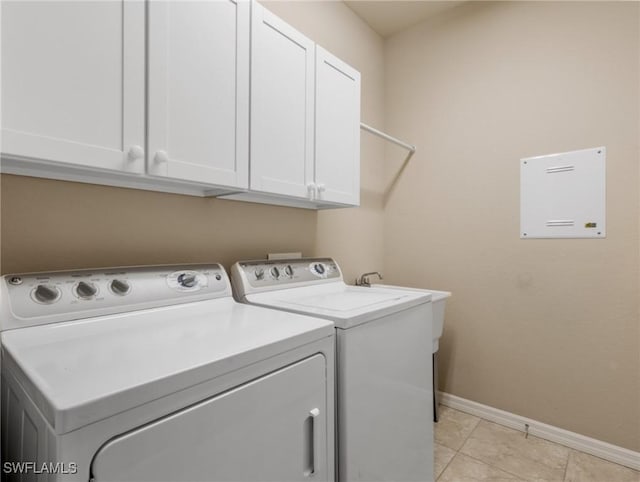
(438,301)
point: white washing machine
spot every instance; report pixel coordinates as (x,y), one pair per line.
(383,349)
(438,301)
(157,374)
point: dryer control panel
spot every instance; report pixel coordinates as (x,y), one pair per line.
(264,275)
(36,298)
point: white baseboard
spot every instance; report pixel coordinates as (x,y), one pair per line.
(573,440)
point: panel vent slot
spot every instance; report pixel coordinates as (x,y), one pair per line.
(560,222)
(551,170)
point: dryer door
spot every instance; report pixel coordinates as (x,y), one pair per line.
(271,429)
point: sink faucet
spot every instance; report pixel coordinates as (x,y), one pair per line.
(364,279)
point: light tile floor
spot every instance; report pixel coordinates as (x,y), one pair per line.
(470,449)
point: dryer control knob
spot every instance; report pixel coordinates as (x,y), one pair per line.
(275,272)
(187,280)
(46,294)
(288,270)
(86,290)
(119,287)
(259,273)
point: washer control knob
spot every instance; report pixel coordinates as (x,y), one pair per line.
(187,280)
(120,287)
(319,267)
(289,271)
(259,274)
(86,290)
(275,272)
(46,294)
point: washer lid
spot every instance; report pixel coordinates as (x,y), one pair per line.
(345,305)
(80,372)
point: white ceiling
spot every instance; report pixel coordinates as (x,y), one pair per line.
(391,16)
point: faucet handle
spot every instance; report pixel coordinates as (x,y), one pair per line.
(364,279)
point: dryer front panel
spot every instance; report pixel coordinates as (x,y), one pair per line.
(271,429)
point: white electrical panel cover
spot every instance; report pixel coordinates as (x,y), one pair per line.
(563,195)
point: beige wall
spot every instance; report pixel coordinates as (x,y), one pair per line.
(60,225)
(548,329)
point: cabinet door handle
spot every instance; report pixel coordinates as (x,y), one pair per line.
(311,191)
(161,157)
(321,188)
(310,428)
(135,153)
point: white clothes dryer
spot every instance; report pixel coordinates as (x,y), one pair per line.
(157,374)
(383,349)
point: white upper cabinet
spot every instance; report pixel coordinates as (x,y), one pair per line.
(198,91)
(305,120)
(337,142)
(198,97)
(73,83)
(282,98)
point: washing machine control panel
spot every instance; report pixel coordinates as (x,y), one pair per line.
(272,273)
(60,296)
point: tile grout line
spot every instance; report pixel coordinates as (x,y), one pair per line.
(457,451)
(570,452)
(519,477)
(448,463)
(467,437)
(566,467)
(471,432)
(574,441)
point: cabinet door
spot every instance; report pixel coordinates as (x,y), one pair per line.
(282,83)
(271,429)
(73,82)
(198,108)
(337,154)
